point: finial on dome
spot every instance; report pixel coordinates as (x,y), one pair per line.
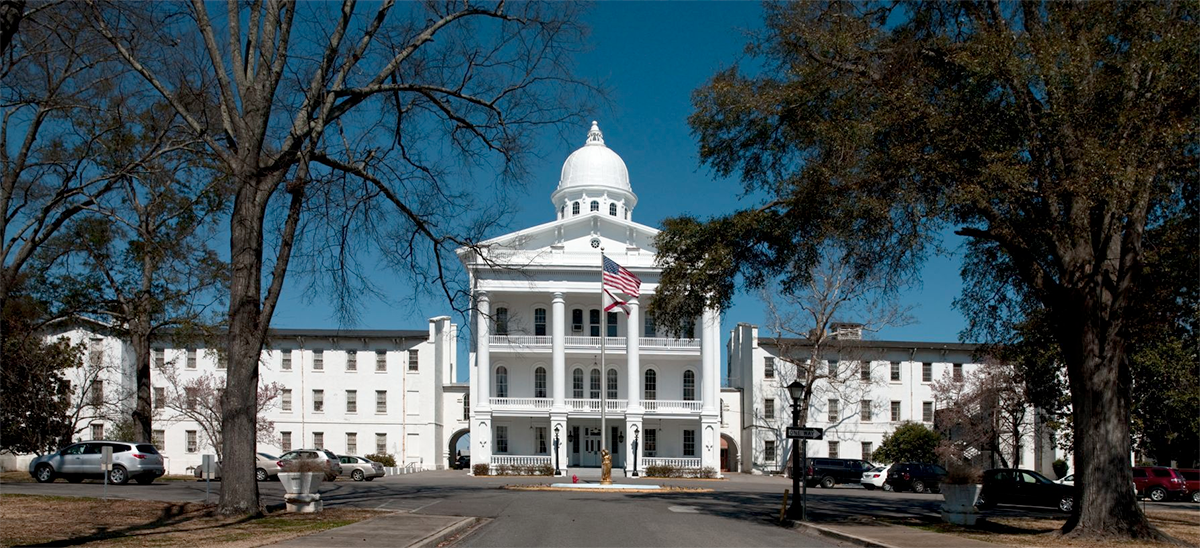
(594,136)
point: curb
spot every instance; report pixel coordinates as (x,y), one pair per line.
(432,540)
(838,535)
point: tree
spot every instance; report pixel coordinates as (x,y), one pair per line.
(198,398)
(337,103)
(909,442)
(985,412)
(1051,135)
(35,396)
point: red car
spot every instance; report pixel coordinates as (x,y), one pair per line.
(1191,479)
(1159,483)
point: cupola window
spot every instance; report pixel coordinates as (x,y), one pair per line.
(575,208)
(612,209)
(595,205)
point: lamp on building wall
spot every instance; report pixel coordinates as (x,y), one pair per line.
(620,437)
(796,511)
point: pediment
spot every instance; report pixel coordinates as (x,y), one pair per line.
(568,238)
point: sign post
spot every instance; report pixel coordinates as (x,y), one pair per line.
(106,465)
(206,469)
(803,433)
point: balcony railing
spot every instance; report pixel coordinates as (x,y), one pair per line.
(536,404)
(520,460)
(541,342)
(590,405)
(671,406)
(675,462)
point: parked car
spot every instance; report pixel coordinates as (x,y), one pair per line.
(464,462)
(1068,479)
(289,461)
(80,461)
(1191,480)
(1159,483)
(918,477)
(876,478)
(359,468)
(1024,487)
(830,472)
(266,467)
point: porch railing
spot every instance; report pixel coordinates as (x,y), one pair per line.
(671,406)
(593,405)
(575,341)
(539,404)
(677,462)
(520,460)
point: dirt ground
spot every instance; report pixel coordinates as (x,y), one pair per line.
(1044,533)
(76,521)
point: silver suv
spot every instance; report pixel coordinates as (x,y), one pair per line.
(81,461)
(290,461)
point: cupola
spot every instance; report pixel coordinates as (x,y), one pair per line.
(594,180)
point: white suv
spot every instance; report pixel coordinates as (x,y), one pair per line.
(80,461)
(333,467)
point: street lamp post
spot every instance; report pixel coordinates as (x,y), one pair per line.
(796,391)
(633,448)
(557,471)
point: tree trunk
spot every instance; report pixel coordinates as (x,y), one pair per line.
(239,489)
(143,411)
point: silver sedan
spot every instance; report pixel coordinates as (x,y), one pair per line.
(359,468)
(266,467)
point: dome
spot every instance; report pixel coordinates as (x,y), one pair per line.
(595,167)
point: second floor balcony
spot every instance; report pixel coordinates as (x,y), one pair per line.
(588,406)
(616,345)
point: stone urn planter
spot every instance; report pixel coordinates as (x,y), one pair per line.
(301,491)
(959,507)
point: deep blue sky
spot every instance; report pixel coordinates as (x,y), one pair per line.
(651,55)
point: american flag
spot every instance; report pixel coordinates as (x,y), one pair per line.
(617,277)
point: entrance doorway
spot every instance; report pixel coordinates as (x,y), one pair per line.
(589,454)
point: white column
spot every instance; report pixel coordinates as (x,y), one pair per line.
(483,358)
(558,333)
(709,383)
(633,370)
(715,341)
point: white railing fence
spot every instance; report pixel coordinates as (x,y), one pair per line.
(521,403)
(671,406)
(575,341)
(677,462)
(520,460)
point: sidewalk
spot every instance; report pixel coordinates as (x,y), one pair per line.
(399,530)
(883,535)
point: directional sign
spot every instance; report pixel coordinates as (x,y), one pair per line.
(804,433)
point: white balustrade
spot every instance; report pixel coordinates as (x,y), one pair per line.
(520,460)
(526,341)
(593,405)
(675,462)
(671,406)
(616,343)
(521,403)
(665,342)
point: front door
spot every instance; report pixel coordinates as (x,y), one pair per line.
(590,454)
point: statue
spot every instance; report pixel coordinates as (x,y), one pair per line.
(605,467)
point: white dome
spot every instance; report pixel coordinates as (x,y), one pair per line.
(595,167)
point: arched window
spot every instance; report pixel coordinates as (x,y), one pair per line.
(539,322)
(595,205)
(594,393)
(502,321)
(577,384)
(612,209)
(651,388)
(539,382)
(689,385)
(612,384)
(501,382)
(575,208)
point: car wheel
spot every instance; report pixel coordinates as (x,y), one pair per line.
(888,487)
(1196,496)
(44,473)
(868,487)
(983,502)
(827,482)
(75,479)
(357,475)
(118,475)
(1158,494)
(145,480)
(918,486)
(260,475)
(1066,504)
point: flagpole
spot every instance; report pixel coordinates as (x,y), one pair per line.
(603,373)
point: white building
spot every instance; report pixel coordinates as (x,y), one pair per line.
(536,373)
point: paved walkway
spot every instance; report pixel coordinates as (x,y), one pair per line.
(398,530)
(883,535)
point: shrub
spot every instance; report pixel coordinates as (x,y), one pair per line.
(480,469)
(660,471)
(544,469)
(958,473)
(1060,468)
(707,472)
(303,465)
(382,458)
(504,470)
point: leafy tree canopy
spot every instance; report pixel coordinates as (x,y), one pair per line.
(910,442)
(35,399)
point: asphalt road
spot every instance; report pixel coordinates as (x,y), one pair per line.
(735,512)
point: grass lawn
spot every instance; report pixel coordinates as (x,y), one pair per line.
(1033,532)
(79,521)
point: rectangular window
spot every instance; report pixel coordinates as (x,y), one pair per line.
(769,408)
(191,396)
(159,358)
(895,371)
(611,384)
(501,321)
(650,330)
(689,443)
(285,441)
(414,363)
(159,439)
(381,402)
(381,444)
(318,440)
(833,411)
(833,449)
(612,324)
(380,361)
(577,320)
(501,439)
(864,371)
(540,435)
(769,368)
(97,395)
(286,362)
(318,401)
(191,441)
(318,360)
(351,361)
(927,411)
(98,431)
(352,401)
(285,400)
(867,449)
(895,411)
(594,322)
(352,443)
(958,375)
(466,407)
(769,451)
(160,397)
(926,372)
(865,412)
(651,441)
(191,359)
(539,322)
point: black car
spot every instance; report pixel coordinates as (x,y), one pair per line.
(830,472)
(463,462)
(918,477)
(1024,487)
